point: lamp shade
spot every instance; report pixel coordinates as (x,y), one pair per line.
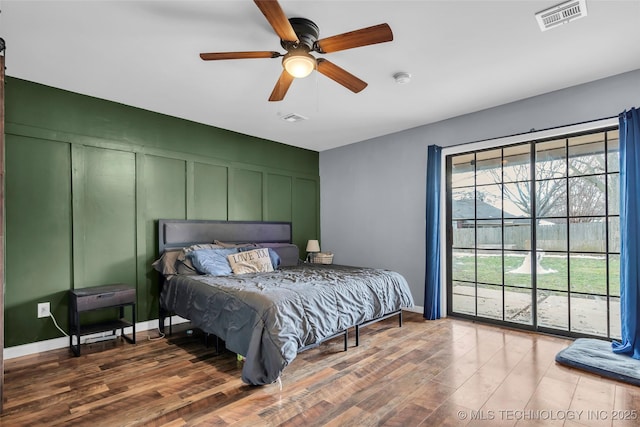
(299,64)
(313,246)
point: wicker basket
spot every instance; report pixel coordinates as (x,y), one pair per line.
(322,258)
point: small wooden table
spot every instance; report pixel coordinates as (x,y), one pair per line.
(117,295)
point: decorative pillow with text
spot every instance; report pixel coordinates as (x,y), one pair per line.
(255,261)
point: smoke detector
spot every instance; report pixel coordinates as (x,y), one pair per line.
(562,13)
(402,77)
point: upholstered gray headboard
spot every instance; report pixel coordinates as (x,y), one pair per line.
(178,233)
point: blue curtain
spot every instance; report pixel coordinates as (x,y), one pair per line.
(432,265)
(629,234)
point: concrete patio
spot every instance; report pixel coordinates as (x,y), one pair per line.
(588,314)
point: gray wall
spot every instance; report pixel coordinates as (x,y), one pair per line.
(372,197)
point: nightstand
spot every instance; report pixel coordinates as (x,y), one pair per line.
(116,295)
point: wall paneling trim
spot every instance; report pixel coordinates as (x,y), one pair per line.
(87,179)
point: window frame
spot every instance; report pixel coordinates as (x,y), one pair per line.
(546,134)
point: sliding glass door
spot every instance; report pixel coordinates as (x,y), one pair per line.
(533,234)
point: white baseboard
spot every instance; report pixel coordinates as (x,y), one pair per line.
(420,309)
(414,309)
(62,342)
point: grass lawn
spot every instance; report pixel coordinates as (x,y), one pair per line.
(588,274)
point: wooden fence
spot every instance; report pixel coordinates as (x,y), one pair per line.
(583,237)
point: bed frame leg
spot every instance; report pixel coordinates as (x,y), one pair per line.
(346,336)
(357,335)
(162,316)
(206,341)
(162,312)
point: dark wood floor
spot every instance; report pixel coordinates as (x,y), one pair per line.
(428,373)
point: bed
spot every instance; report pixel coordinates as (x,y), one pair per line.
(267,316)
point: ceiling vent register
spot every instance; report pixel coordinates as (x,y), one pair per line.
(293,117)
(562,13)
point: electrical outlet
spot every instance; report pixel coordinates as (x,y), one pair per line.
(44,309)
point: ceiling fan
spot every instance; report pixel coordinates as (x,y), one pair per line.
(299,36)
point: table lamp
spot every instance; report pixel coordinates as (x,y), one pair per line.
(312,247)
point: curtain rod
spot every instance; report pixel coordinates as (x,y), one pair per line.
(515,138)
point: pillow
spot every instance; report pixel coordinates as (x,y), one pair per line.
(195,247)
(288,253)
(185,267)
(255,261)
(235,245)
(166,264)
(212,261)
(273,255)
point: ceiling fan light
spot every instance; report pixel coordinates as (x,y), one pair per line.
(299,64)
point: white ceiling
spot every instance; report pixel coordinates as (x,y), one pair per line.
(464,56)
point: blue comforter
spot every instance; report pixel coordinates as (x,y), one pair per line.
(267,317)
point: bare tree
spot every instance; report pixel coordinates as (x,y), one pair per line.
(551,193)
(586,190)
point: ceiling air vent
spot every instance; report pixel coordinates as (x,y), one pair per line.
(293,117)
(562,13)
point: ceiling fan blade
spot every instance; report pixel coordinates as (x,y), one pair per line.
(363,37)
(340,75)
(238,55)
(282,86)
(275,15)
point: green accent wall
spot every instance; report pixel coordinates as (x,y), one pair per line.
(87,180)
(246,186)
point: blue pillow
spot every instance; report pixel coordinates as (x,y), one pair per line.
(288,253)
(212,261)
(273,255)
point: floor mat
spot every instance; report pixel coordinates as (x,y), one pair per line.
(595,356)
